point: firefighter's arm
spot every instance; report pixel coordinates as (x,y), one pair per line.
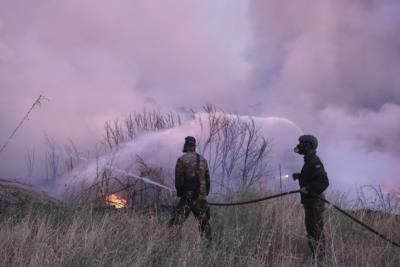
(179,177)
(320,181)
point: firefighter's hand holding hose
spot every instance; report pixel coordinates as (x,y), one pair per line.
(295,177)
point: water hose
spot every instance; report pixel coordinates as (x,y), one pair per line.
(369,228)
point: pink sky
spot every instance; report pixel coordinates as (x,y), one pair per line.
(331,66)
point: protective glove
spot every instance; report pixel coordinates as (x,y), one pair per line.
(296,176)
(304,190)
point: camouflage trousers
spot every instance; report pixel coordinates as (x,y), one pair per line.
(315,229)
(200,210)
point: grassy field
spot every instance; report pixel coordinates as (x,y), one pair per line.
(266,234)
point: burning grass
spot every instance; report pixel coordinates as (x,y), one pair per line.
(266,234)
(116,201)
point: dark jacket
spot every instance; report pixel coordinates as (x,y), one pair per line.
(314,178)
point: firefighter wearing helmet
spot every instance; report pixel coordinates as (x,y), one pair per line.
(313,181)
(192,182)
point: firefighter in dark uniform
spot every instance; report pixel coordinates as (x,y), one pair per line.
(313,182)
(192,182)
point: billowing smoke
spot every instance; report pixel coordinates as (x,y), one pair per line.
(331,66)
(100,60)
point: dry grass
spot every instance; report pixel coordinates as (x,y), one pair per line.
(267,234)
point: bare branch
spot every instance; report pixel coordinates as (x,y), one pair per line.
(37,103)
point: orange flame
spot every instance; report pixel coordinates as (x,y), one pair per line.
(116,201)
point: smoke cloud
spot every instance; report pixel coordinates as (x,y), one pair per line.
(97,61)
(330,66)
(333,67)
